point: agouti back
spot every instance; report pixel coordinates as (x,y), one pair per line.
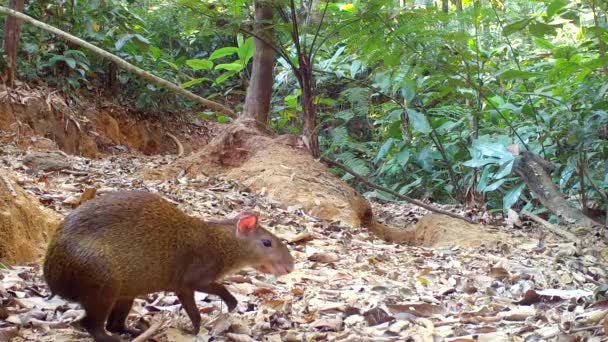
(131,243)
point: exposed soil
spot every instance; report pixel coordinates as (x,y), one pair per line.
(24,224)
(41,120)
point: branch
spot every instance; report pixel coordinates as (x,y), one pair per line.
(121,62)
(180,147)
(314,39)
(365,181)
(553,228)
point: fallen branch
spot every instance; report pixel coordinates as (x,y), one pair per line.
(149,332)
(553,228)
(536,173)
(180,147)
(121,62)
(365,181)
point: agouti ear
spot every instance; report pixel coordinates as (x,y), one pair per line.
(247,223)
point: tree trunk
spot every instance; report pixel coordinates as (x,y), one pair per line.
(11,41)
(309,112)
(445,5)
(458,4)
(259,92)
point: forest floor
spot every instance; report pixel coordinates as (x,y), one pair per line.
(347,285)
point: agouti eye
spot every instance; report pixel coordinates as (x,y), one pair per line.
(267,243)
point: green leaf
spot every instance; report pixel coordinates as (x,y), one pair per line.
(171,64)
(541,29)
(355,66)
(200,64)
(554,7)
(505,169)
(568,171)
(120,43)
(493,150)
(223,52)
(408,89)
(236,67)
(386,147)
(494,185)
(518,74)
(71,62)
(194,82)
(512,196)
(419,121)
(543,44)
(223,77)
(345,115)
(223,119)
(516,26)
(403,157)
(479,162)
(246,50)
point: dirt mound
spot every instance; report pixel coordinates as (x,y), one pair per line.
(41,120)
(444,231)
(24,224)
(245,152)
(279,169)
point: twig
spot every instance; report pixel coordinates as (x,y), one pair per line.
(180,147)
(75,172)
(149,332)
(591,327)
(365,181)
(552,228)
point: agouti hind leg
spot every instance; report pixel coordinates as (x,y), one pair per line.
(118,317)
(97,309)
(187,300)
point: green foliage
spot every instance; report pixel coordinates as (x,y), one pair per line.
(427,103)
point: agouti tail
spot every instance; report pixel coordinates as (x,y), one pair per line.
(125,244)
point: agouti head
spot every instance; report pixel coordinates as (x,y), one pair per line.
(268,253)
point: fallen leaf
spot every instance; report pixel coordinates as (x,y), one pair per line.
(418,309)
(324,257)
(377,316)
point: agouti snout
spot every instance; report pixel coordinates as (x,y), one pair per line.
(126,244)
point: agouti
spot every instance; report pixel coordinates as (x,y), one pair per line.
(131,243)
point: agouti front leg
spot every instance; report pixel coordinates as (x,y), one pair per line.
(187,299)
(221,291)
(189,305)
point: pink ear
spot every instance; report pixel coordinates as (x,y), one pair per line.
(247,223)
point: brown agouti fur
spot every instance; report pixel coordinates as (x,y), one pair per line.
(126,244)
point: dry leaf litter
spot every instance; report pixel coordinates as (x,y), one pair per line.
(347,286)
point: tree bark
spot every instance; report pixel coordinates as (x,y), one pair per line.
(445,5)
(259,91)
(120,62)
(309,112)
(11,41)
(535,171)
(458,4)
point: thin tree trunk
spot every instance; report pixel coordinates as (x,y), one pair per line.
(120,62)
(458,4)
(11,41)
(259,92)
(309,112)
